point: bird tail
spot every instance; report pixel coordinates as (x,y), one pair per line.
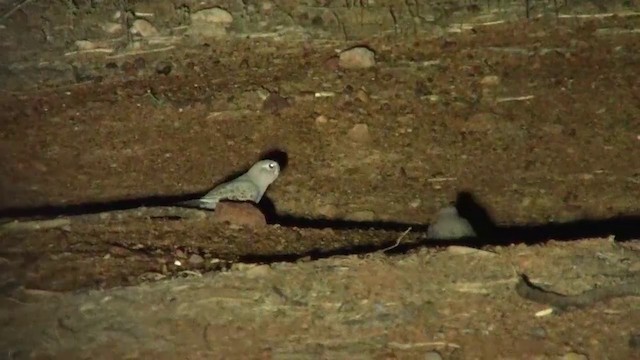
(202,203)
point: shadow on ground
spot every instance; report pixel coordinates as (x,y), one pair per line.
(622,227)
(488,233)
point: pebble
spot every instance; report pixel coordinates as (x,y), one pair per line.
(360,133)
(449,226)
(85,45)
(432,355)
(143,28)
(490,80)
(322,119)
(195,259)
(362,96)
(357,58)
(239,213)
(164,67)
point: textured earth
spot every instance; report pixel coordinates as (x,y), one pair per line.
(533,130)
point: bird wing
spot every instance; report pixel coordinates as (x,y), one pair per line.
(238,190)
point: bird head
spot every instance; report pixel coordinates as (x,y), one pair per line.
(264,172)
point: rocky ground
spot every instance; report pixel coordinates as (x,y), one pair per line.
(531,127)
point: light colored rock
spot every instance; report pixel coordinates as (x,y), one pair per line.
(449,226)
(357,58)
(210,22)
(362,95)
(239,213)
(214,15)
(490,80)
(85,45)
(322,119)
(143,28)
(360,133)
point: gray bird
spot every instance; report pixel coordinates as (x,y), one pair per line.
(249,186)
(449,225)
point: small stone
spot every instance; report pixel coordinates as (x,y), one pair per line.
(490,80)
(415,203)
(85,45)
(449,226)
(360,133)
(143,28)
(164,67)
(195,259)
(432,355)
(180,254)
(239,213)
(362,215)
(362,96)
(574,356)
(357,58)
(321,119)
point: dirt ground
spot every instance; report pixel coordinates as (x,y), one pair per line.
(541,124)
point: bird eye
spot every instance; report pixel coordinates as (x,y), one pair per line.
(272,165)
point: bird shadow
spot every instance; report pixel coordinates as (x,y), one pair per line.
(625,227)
(48,211)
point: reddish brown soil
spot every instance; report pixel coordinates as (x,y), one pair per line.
(569,151)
